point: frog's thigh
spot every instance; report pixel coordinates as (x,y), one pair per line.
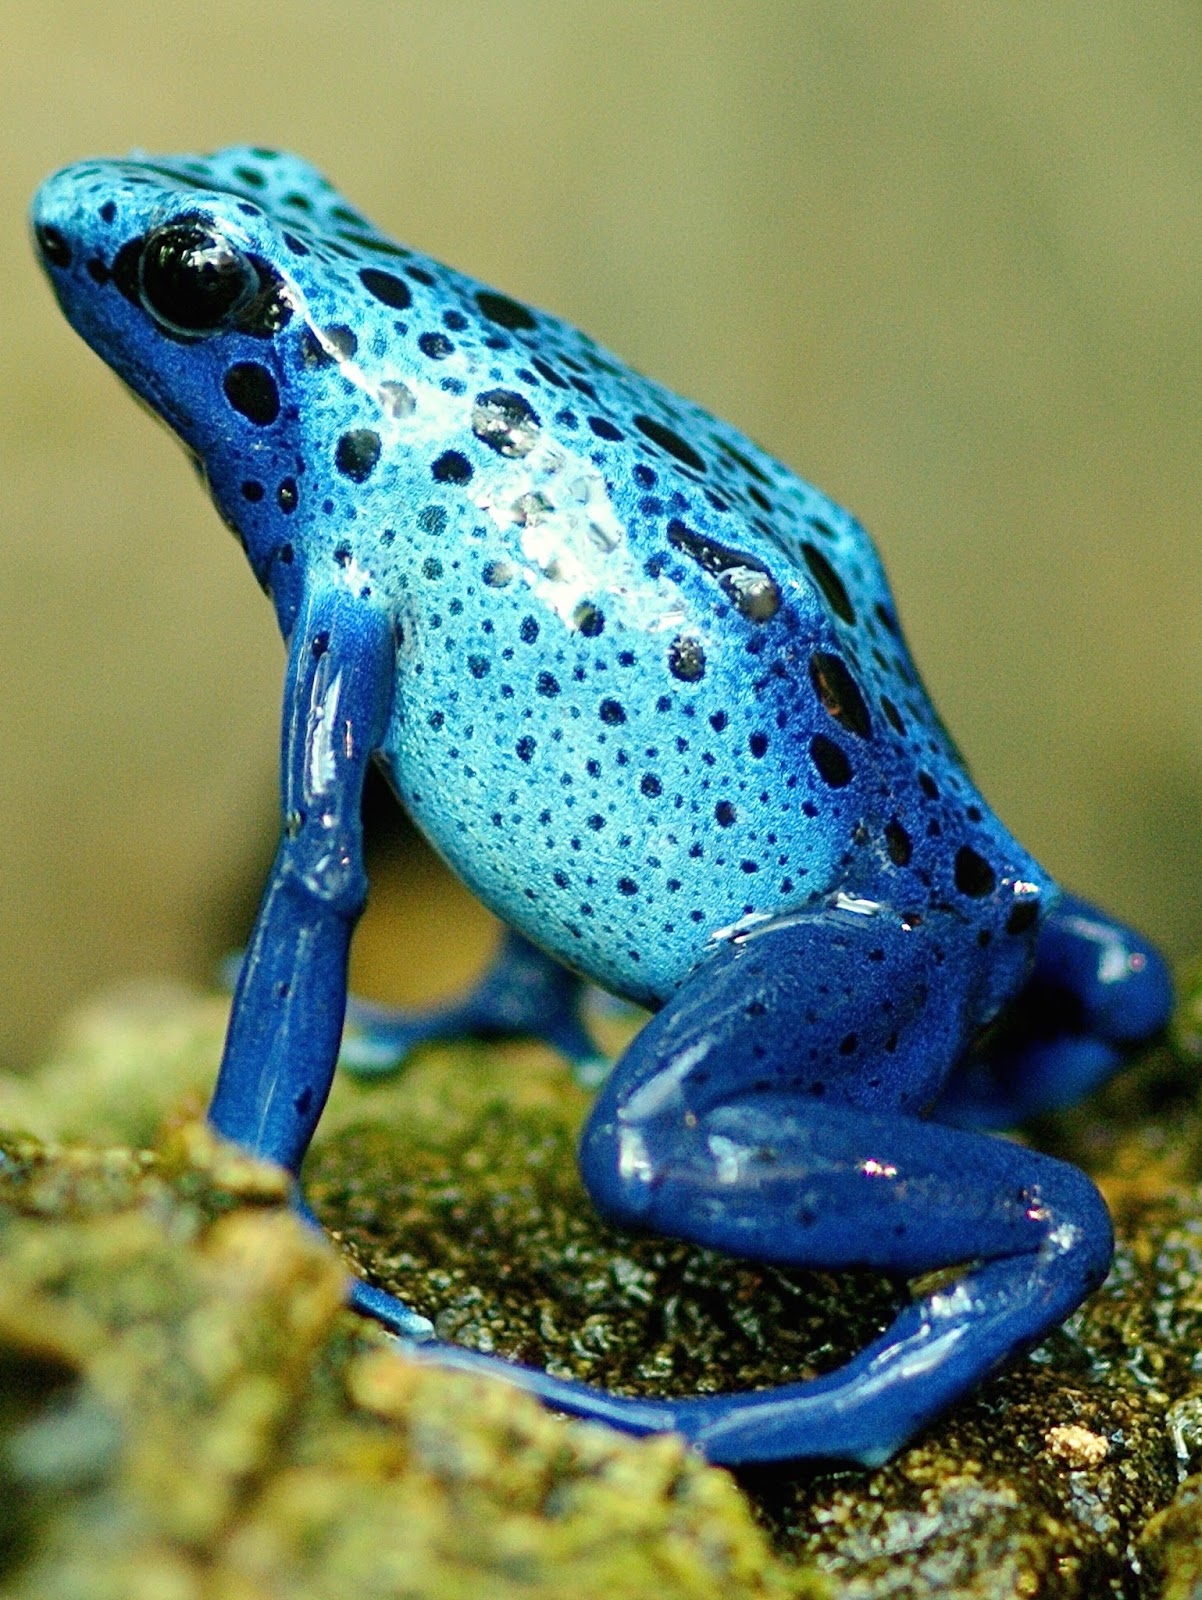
(741,1119)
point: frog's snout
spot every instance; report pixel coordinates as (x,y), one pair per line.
(74,236)
(52,218)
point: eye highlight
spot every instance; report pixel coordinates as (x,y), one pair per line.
(192,280)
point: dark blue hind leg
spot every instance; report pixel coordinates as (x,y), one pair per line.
(1096,989)
(524,994)
(772,1110)
(832,1186)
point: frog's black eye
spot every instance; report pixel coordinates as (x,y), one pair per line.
(192,280)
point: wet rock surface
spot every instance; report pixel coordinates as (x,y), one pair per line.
(455,1185)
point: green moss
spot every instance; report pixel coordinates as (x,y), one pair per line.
(455,1185)
(188,1412)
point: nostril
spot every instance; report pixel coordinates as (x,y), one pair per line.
(53,244)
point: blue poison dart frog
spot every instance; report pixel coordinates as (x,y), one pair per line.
(645,691)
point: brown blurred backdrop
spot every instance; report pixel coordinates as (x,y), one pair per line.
(943,259)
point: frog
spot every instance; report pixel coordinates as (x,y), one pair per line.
(645,691)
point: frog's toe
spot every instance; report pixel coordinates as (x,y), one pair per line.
(524,994)
(377,1041)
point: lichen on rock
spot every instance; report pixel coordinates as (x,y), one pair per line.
(186,1411)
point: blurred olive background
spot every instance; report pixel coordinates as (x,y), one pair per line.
(941,258)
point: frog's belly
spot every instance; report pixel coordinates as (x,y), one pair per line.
(632,895)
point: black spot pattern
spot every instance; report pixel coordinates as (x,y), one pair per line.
(840,693)
(831,584)
(831,762)
(357,453)
(686,659)
(669,441)
(973,874)
(506,422)
(452,466)
(898,844)
(252,390)
(748,583)
(387,287)
(506,313)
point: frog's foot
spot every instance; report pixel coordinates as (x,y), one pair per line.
(1097,989)
(366,1298)
(524,994)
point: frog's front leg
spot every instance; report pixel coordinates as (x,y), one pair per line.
(1096,989)
(282,1044)
(287,1014)
(523,994)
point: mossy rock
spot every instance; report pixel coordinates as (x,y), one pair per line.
(455,1185)
(188,1413)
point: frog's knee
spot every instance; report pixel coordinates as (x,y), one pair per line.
(619,1167)
(1079,1234)
(1120,981)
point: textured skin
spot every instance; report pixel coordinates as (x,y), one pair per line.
(645,691)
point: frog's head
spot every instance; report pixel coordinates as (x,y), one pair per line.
(208,285)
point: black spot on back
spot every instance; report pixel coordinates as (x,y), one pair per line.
(830,583)
(840,693)
(451,467)
(372,241)
(356,454)
(897,842)
(669,441)
(506,313)
(549,372)
(686,659)
(830,761)
(893,714)
(386,287)
(744,579)
(973,874)
(506,422)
